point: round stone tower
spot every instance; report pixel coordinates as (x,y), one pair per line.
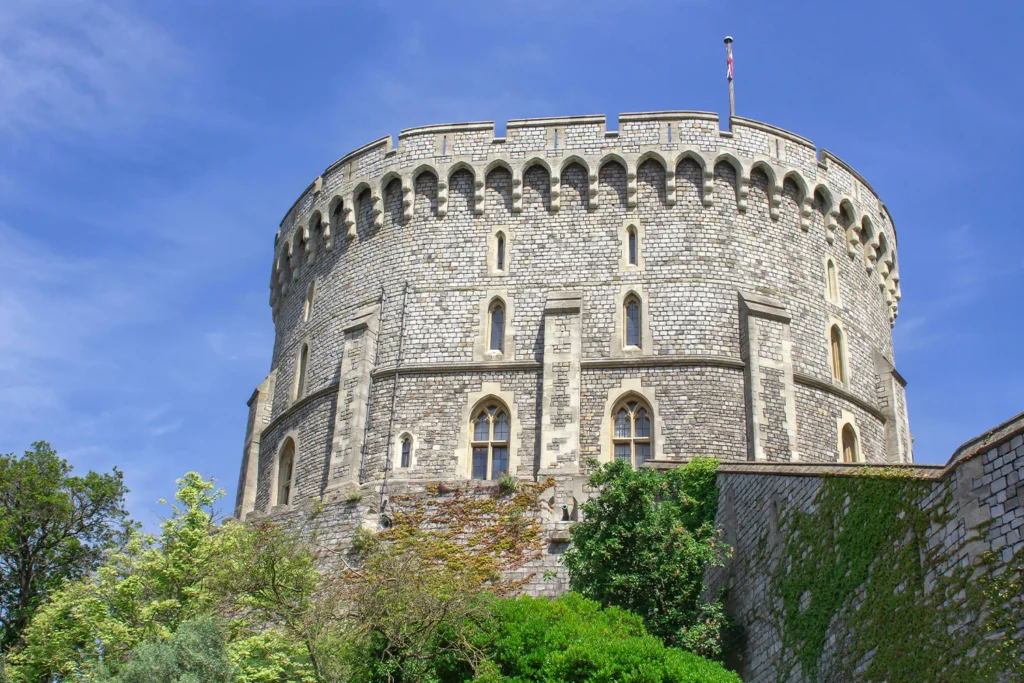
(464,306)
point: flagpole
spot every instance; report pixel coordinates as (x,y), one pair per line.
(732,90)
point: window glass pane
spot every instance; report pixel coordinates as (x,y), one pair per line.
(480,462)
(501,428)
(480,429)
(501,253)
(632,248)
(622,424)
(497,328)
(622,451)
(643,453)
(632,324)
(643,425)
(406,453)
(499,464)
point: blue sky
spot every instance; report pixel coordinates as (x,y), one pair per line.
(149,150)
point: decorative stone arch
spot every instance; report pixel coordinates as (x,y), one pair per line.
(476,400)
(637,227)
(291,436)
(829,208)
(592,179)
(806,198)
(492,166)
(670,173)
(632,386)
(481,347)
(707,187)
(415,178)
(340,218)
(444,185)
(385,182)
(554,182)
(835,323)
(869,242)
(884,260)
(848,421)
(742,188)
(314,228)
(774,189)
(619,349)
(396,451)
(848,211)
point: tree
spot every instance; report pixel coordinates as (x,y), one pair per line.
(196,653)
(54,526)
(644,545)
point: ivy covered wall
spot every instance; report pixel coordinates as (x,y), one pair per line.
(858,573)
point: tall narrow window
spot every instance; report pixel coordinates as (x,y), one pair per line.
(300,372)
(837,355)
(307,303)
(833,281)
(406,452)
(490,440)
(497,340)
(631,433)
(632,320)
(631,232)
(849,444)
(285,469)
(500,259)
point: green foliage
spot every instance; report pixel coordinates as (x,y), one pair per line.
(644,545)
(574,639)
(54,526)
(196,653)
(866,542)
(270,656)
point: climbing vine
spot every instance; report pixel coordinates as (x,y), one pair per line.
(867,589)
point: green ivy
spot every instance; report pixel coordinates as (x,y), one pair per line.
(853,579)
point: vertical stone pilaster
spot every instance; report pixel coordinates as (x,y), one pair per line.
(767,350)
(260,404)
(889,388)
(357,363)
(560,406)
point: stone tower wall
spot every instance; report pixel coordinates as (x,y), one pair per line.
(395,246)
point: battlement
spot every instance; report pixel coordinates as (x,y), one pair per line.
(850,206)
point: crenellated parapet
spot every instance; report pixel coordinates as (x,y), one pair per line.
(326,214)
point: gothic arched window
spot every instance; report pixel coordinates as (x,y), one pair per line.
(631,310)
(631,431)
(832,281)
(497,326)
(490,439)
(850,453)
(285,471)
(300,372)
(500,256)
(631,233)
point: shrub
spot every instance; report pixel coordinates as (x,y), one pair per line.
(644,545)
(574,639)
(194,654)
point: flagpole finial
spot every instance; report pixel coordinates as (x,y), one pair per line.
(728,39)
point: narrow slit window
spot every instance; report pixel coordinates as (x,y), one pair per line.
(632,322)
(501,251)
(497,341)
(285,470)
(406,452)
(632,245)
(837,355)
(300,371)
(833,281)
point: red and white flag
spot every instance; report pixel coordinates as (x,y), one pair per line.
(728,72)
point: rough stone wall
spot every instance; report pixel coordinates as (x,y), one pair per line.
(754,209)
(980,494)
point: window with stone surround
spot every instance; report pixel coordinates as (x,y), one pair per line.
(631,234)
(832,281)
(285,473)
(631,321)
(489,439)
(631,431)
(850,451)
(307,302)
(499,257)
(496,326)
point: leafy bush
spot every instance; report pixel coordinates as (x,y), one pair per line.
(194,654)
(644,545)
(573,639)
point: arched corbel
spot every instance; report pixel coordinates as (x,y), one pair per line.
(831,225)
(377,208)
(349,221)
(774,201)
(328,234)
(408,198)
(806,209)
(555,192)
(742,190)
(517,189)
(593,189)
(670,186)
(307,238)
(479,193)
(708,193)
(631,184)
(442,193)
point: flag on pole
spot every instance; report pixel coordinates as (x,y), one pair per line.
(728,72)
